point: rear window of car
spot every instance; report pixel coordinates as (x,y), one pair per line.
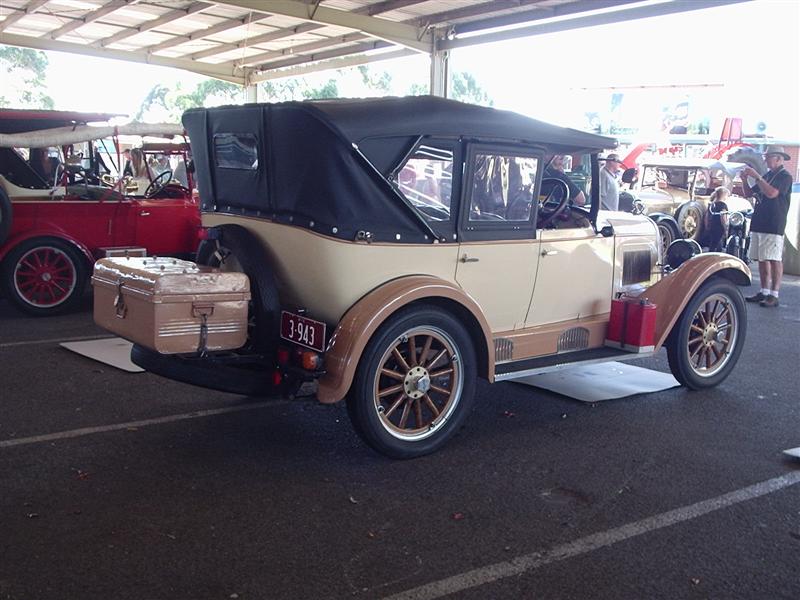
(236,151)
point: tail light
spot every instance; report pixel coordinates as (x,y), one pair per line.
(311,361)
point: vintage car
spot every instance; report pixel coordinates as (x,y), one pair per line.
(399,248)
(675,192)
(61,208)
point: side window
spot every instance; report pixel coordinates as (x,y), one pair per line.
(502,187)
(426,179)
(236,151)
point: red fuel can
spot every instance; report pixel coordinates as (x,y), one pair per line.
(632,325)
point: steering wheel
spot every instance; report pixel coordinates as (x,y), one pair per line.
(556,200)
(158,183)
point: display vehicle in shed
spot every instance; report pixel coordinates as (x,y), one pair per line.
(63,205)
(397,249)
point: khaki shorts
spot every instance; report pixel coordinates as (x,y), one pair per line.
(766,246)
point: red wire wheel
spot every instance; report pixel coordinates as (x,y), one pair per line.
(45,277)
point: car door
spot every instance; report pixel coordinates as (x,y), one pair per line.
(574,277)
(498,252)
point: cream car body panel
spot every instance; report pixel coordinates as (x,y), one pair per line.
(500,277)
(560,252)
(314,278)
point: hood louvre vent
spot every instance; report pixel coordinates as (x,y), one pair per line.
(635,266)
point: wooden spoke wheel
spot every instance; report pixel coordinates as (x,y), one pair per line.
(414,384)
(707,340)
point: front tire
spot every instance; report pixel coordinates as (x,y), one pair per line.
(705,343)
(415,383)
(668,232)
(734,246)
(45,276)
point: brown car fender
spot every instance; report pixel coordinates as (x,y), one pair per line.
(360,322)
(673,292)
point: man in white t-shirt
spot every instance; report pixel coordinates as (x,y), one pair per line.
(609,186)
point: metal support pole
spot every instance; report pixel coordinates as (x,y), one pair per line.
(251,93)
(439,67)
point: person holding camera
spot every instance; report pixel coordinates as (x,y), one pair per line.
(772,194)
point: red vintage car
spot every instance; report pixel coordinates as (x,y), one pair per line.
(63,205)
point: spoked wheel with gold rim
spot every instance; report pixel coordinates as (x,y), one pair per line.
(706,342)
(414,384)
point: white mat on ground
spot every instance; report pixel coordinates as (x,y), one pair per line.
(602,381)
(114,351)
(793,452)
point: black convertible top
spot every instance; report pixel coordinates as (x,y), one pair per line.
(324,164)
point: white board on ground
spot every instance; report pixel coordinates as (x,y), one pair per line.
(114,352)
(602,381)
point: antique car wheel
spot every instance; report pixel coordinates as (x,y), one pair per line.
(237,250)
(44,276)
(707,339)
(668,234)
(5,215)
(415,383)
(690,219)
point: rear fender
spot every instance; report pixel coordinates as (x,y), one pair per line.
(15,241)
(674,291)
(362,320)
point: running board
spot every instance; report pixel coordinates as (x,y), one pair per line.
(557,362)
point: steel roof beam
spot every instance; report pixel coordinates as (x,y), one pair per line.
(259,39)
(173,15)
(324,65)
(199,35)
(89,17)
(28,9)
(257,59)
(226,73)
(619,16)
(401,34)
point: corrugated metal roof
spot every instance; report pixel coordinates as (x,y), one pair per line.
(240,40)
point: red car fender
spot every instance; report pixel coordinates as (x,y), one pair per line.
(15,240)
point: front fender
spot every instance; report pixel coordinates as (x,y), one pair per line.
(673,292)
(16,240)
(360,322)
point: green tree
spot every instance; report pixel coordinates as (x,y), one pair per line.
(168,104)
(24,80)
(466,89)
(296,88)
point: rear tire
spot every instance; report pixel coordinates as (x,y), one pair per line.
(415,383)
(45,276)
(237,250)
(706,341)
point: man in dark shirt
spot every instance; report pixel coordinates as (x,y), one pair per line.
(773,193)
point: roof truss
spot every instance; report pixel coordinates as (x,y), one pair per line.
(281,38)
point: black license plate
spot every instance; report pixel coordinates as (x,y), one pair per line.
(302,330)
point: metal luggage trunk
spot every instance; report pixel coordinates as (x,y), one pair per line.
(169,305)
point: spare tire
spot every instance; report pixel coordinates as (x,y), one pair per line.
(237,249)
(5,215)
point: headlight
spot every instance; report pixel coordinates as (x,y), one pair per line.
(736,219)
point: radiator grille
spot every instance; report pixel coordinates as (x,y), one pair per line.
(635,266)
(576,338)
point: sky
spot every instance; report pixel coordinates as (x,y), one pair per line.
(724,53)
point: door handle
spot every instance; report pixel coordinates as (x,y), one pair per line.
(144,213)
(466,259)
(549,252)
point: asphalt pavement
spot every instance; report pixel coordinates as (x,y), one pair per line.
(129,486)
